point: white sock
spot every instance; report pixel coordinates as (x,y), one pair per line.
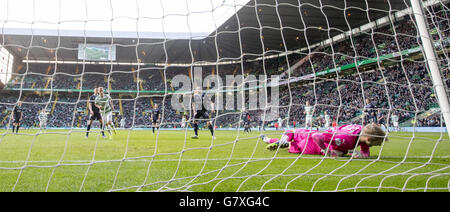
(283,140)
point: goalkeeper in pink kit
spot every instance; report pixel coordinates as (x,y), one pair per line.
(333,142)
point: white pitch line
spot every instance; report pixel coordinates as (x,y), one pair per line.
(216,159)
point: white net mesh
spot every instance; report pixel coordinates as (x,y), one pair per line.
(266,67)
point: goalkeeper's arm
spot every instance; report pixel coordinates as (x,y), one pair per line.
(319,139)
(362,154)
(111,104)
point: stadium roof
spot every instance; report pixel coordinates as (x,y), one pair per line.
(267,27)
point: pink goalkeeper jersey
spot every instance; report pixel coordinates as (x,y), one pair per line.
(343,139)
(302,142)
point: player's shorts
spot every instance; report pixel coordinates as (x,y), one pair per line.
(107,117)
(395,124)
(205,116)
(16,119)
(370,119)
(201,114)
(42,124)
(155,121)
(96,116)
(308,119)
(373,119)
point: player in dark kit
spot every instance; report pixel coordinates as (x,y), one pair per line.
(156,116)
(246,118)
(17,116)
(94,114)
(200,111)
(370,115)
(381,119)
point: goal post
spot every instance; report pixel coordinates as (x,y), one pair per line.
(429,50)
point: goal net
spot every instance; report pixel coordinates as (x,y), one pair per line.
(212,95)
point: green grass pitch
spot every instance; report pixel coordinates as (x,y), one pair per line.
(137,160)
(96,54)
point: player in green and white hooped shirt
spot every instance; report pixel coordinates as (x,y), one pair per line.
(394,119)
(327,120)
(104,103)
(42,120)
(309,116)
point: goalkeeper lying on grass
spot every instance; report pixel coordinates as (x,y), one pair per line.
(333,142)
